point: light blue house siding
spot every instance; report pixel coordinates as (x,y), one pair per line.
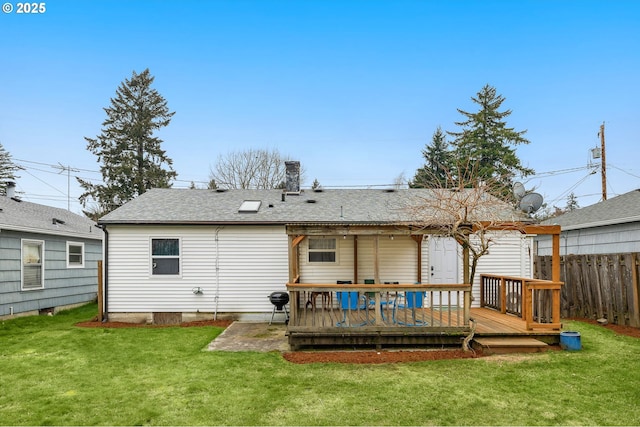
(610,239)
(607,227)
(63,285)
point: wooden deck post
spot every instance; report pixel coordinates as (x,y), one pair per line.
(376,259)
(418,239)
(294,274)
(527,305)
(467,307)
(355,259)
(555,259)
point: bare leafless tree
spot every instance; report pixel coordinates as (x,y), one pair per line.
(465,209)
(250,169)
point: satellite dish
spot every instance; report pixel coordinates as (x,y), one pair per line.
(531,203)
(518,190)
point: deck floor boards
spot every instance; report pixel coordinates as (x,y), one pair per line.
(489,323)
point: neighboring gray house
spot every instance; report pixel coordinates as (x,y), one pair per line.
(48,258)
(607,227)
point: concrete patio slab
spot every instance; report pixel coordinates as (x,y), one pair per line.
(251,336)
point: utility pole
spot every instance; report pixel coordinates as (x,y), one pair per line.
(68,169)
(603,166)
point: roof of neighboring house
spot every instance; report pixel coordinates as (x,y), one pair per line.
(618,210)
(29,217)
(334,206)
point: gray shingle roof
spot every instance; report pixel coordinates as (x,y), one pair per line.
(36,218)
(356,206)
(621,209)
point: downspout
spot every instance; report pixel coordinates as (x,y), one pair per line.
(217,266)
(105,268)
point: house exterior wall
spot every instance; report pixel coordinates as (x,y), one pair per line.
(236,267)
(242,265)
(397,261)
(610,239)
(63,286)
(511,254)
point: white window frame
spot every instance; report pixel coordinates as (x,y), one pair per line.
(24,242)
(334,250)
(71,264)
(152,256)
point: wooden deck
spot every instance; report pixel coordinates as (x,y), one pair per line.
(489,323)
(418,315)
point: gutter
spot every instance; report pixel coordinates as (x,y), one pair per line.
(613,221)
(46,231)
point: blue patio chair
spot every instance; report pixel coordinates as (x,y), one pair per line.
(350,301)
(388,300)
(410,301)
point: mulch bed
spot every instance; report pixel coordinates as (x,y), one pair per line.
(629,331)
(352,356)
(373,357)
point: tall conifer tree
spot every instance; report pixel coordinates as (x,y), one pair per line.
(438,163)
(131,156)
(7,170)
(487,145)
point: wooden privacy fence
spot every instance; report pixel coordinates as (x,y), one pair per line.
(597,286)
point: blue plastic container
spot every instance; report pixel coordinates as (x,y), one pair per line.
(570,341)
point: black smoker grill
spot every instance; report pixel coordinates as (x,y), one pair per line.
(279,301)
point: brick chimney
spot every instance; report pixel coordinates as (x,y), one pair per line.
(11,189)
(292,184)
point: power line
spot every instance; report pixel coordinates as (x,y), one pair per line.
(623,171)
(54,165)
(45,182)
(548,174)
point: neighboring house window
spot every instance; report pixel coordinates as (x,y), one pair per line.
(165,257)
(322,250)
(75,255)
(32,264)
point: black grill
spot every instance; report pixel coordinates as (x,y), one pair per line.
(279,300)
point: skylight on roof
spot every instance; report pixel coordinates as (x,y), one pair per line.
(250,206)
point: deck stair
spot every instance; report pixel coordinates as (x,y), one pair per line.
(503,345)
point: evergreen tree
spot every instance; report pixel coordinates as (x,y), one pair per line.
(132,158)
(438,163)
(486,145)
(572,203)
(7,170)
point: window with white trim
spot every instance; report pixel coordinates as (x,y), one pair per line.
(32,264)
(322,250)
(75,255)
(165,256)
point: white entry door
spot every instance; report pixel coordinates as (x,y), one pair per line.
(443,267)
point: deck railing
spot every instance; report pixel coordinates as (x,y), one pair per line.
(340,308)
(535,301)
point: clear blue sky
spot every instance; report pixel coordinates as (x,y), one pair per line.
(353,89)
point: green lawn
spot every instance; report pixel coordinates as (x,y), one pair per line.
(53,373)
